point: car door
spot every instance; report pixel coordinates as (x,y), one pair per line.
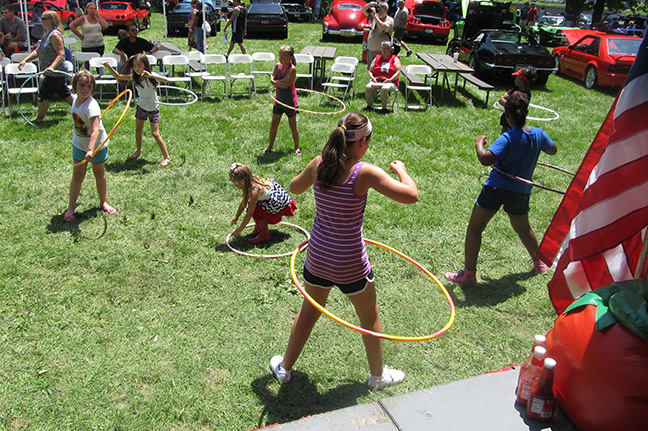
(580,55)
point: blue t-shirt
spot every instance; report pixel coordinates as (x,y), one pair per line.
(518,151)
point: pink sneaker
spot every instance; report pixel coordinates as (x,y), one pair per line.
(463,277)
(539,267)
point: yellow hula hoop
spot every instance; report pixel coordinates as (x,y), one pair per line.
(121,117)
(306,111)
(366,331)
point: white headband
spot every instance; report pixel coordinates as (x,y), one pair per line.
(357,134)
(234,166)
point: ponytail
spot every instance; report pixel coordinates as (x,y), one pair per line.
(336,151)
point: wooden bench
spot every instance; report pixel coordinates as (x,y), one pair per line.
(414,79)
(468,77)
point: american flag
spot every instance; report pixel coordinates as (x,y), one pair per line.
(596,235)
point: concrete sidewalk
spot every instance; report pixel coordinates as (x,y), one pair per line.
(485,403)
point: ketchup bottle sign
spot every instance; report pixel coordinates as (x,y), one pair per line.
(531,377)
(539,340)
(542,400)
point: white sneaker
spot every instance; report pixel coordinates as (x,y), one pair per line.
(275,365)
(390,377)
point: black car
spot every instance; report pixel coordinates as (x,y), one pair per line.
(491,44)
(178,19)
(297,10)
(267,18)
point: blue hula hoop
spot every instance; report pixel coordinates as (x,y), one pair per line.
(37,74)
(194,96)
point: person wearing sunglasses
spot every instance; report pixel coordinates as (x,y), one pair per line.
(133,44)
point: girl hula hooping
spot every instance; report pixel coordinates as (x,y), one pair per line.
(147,105)
(283,77)
(336,250)
(266,201)
(88,133)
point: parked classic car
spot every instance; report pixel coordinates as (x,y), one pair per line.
(345,18)
(178,18)
(427,18)
(549,30)
(268,18)
(499,50)
(67,16)
(632,25)
(596,57)
(297,10)
(118,13)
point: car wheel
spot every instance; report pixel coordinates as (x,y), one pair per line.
(69,21)
(137,26)
(542,79)
(326,36)
(285,34)
(557,63)
(473,63)
(453,46)
(590,77)
(148,21)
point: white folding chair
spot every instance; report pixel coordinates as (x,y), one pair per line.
(3,62)
(80,58)
(336,80)
(264,63)
(309,61)
(195,66)
(241,66)
(219,69)
(14,79)
(72,43)
(347,77)
(103,79)
(158,64)
(19,56)
(421,74)
(171,65)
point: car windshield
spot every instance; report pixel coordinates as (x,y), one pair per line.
(114,6)
(349,6)
(551,20)
(623,46)
(265,8)
(183,7)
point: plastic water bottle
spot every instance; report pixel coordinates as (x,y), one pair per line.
(542,400)
(531,377)
(539,340)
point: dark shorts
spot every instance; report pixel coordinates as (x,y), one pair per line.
(152,116)
(515,203)
(399,33)
(237,37)
(53,85)
(98,49)
(347,289)
(280,109)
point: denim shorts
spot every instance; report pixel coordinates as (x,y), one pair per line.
(79,155)
(515,203)
(347,289)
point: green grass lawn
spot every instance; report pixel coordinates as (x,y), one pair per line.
(145,319)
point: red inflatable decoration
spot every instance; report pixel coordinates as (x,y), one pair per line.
(601,380)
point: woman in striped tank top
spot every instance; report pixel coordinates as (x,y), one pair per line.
(336,252)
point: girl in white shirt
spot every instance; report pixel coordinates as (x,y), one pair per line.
(89,133)
(147,104)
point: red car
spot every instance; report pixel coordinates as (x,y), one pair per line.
(596,57)
(345,18)
(124,14)
(67,16)
(427,18)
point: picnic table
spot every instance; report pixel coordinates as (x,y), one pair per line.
(320,54)
(444,65)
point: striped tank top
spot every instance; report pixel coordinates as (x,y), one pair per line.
(336,250)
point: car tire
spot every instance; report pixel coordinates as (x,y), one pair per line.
(326,36)
(453,46)
(69,21)
(542,79)
(590,77)
(148,21)
(473,63)
(557,64)
(285,34)
(137,25)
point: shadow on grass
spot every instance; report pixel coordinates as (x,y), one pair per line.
(139,164)
(300,398)
(57,224)
(491,291)
(241,244)
(272,156)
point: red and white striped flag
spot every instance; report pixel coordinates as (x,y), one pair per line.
(596,235)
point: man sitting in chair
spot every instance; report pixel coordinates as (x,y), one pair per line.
(384,74)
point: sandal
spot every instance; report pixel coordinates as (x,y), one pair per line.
(266,150)
(135,155)
(165,162)
(298,152)
(68,216)
(108,209)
